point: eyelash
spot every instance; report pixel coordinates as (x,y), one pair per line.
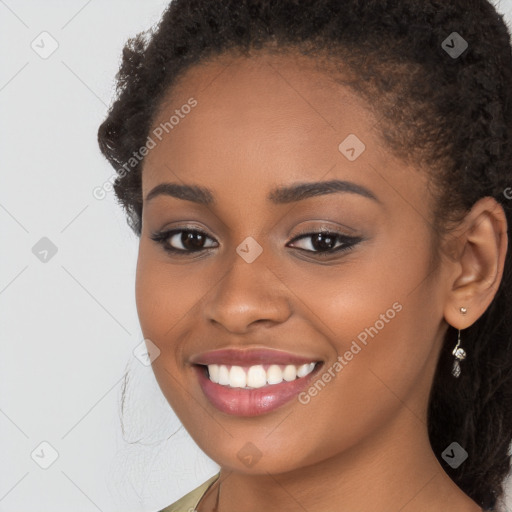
(348,242)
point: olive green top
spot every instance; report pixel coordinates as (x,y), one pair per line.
(188,503)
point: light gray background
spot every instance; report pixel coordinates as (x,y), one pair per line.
(69,324)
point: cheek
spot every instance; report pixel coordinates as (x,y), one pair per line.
(163,300)
(381,313)
(166,296)
(383,330)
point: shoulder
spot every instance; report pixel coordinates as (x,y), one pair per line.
(188,502)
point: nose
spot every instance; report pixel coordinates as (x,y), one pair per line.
(248,294)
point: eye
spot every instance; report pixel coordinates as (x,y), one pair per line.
(326,242)
(184,241)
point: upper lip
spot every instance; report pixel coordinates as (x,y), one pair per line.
(249,357)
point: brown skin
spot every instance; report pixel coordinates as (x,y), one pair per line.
(361,443)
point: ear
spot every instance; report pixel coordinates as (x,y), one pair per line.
(477,264)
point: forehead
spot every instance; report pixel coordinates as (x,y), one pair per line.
(260,118)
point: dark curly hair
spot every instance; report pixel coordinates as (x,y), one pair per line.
(450,114)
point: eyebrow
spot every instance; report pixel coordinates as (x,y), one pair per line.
(280,195)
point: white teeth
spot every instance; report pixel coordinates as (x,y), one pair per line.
(213,369)
(223,375)
(237,377)
(274,374)
(256,376)
(305,369)
(290,373)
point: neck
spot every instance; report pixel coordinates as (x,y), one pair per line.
(393,470)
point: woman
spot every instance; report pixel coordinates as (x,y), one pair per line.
(322,191)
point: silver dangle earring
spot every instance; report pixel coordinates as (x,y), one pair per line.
(458,352)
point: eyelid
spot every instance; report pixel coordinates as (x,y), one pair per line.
(326,230)
(321,229)
(347,242)
(162,237)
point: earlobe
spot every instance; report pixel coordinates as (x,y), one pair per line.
(479,265)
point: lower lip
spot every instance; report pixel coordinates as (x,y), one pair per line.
(251,402)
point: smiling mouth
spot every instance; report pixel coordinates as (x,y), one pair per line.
(246,389)
(256,376)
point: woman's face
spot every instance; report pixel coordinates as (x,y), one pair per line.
(362,302)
